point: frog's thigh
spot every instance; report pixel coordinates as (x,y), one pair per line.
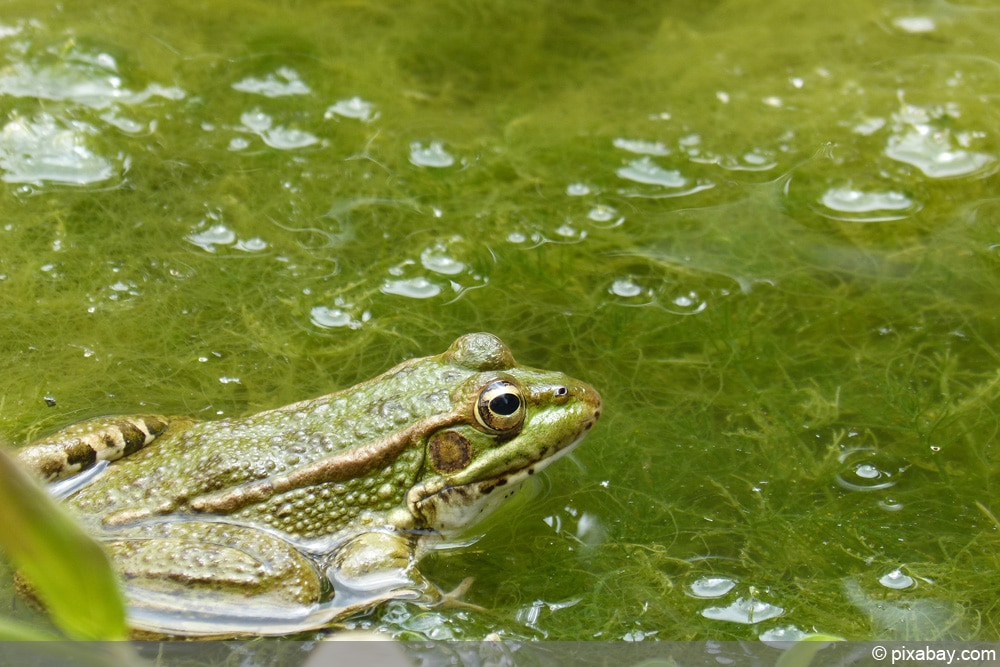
(219,559)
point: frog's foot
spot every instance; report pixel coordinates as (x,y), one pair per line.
(453,598)
(81,446)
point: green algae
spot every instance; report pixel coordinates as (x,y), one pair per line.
(801,391)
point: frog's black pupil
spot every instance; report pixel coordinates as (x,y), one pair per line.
(505,404)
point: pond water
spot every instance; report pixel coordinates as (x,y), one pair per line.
(767,232)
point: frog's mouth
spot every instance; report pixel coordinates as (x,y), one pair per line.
(449,508)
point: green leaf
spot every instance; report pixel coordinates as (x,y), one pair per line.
(16,631)
(69,572)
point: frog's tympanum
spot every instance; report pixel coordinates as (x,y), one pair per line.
(293,518)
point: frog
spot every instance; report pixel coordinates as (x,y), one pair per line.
(295,518)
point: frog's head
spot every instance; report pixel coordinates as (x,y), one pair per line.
(514,421)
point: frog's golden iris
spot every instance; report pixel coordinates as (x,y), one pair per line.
(295,517)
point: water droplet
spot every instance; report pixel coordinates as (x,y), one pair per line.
(849,203)
(251,245)
(44,149)
(687,304)
(567,230)
(354,107)
(435,259)
(287,138)
(890,505)
(432,156)
(284,82)
(915,24)
(897,580)
(577,190)
(602,213)
(932,154)
(920,138)
(644,170)
(625,287)
(641,147)
(256,120)
(415,288)
(711,587)
(211,237)
(743,610)
(332,318)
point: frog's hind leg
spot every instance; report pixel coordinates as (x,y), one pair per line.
(205,579)
(78,447)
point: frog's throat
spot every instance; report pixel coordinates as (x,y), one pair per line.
(338,468)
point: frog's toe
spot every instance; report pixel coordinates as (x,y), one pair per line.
(453,598)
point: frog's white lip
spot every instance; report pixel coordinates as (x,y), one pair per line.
(450,509)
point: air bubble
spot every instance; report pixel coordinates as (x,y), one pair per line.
(897,580)
(431,156)
(867,470)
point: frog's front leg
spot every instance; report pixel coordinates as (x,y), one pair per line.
(382,565)
(379,564)
(78,447)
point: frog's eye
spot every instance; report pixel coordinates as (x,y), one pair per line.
(500,408)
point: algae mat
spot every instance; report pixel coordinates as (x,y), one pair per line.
(767,232)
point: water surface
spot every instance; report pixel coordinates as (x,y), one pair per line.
(767,232)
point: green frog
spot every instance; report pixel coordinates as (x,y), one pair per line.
(294,518)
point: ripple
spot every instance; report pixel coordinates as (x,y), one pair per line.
(897,580)
(641,147)
(47,150)
(867,470)
(644,170)
(415,288)
(354,107)
(432,156)
(284,82)
(850,203)
(710,587)
(744,610)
